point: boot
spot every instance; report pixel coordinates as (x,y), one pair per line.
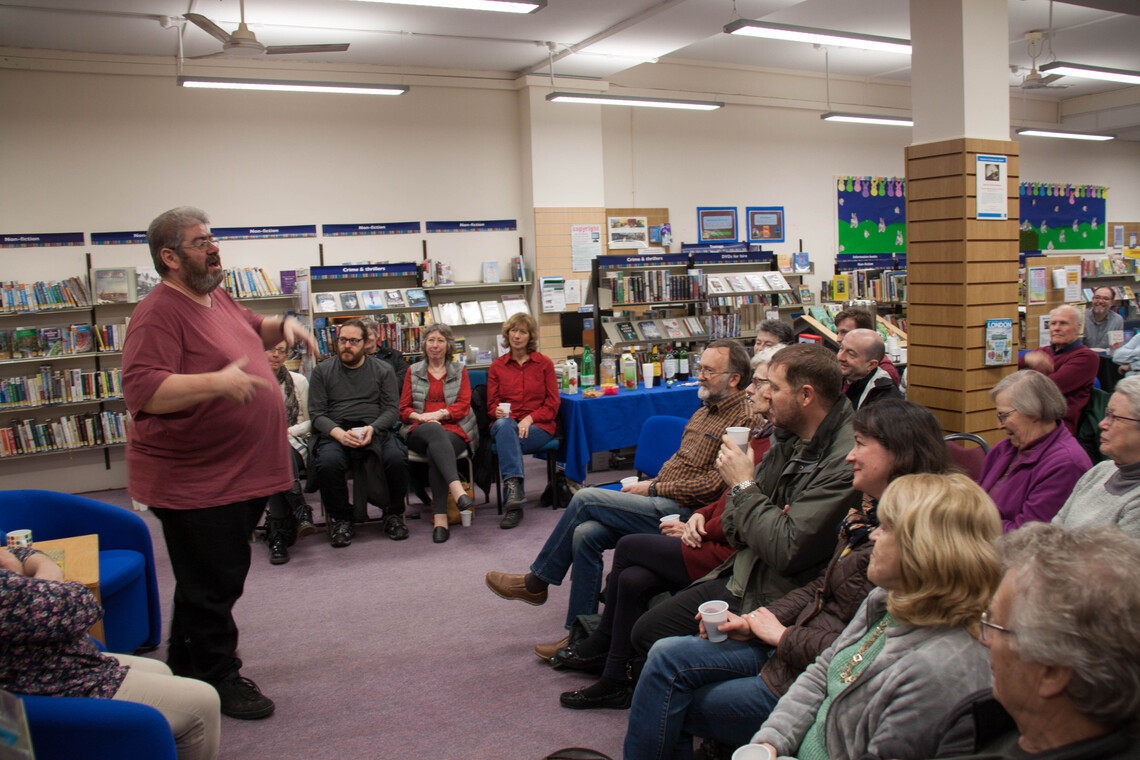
(514,497)
(305,525)
(278,540)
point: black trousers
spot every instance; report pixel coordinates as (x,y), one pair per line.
(677,616)
(285,504)
(441,447)
(209,553)
(385,467)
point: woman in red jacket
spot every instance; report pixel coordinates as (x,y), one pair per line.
(523,379)
(644,565)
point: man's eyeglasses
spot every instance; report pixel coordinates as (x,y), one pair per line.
(1110,418)
(711,373)
(350,341)
(201,244)
(987,625)
(278,351)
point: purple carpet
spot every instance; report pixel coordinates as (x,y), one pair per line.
(397,650)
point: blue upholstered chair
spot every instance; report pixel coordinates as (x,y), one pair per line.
(132,617)
(659,439)
(66,728)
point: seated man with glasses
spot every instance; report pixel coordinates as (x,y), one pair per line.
(1063,638)
(597,517)
(1101,320)
(353,403)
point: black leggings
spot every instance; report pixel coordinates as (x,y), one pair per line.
(441,447)
(644,565)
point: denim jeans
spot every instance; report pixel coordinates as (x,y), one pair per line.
(593,522)
(693,687)
(510,448)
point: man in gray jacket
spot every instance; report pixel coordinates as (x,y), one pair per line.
(353,403)
(783,519)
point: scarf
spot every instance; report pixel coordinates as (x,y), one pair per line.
(292,408)
(859,523)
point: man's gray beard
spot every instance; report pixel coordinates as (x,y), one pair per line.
(205,282)
(709,396)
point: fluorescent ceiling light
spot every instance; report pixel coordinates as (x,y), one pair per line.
(862,118)
(751,28)
(626,100)
(282,85)
(503,6)
(1066,135)
(1066,69)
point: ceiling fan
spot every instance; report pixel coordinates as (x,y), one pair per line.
(243,44)
(1034,79)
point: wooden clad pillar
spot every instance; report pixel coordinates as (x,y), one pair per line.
(961,271)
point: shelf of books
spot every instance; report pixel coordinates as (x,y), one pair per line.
(746,285)
(1113,271)
(820,320)
(868,276)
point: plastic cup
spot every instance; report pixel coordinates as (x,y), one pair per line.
(647,374)
(739,435)
(18,538)
(670,518)
(712,615)
(506,407)
(752,752)
(630,480)
(465,517)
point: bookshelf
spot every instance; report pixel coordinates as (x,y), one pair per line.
(475,311)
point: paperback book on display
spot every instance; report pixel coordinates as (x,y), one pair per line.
(776,281)
(492,312)
(448,313)
(673,328)
(514,304)
(394,299)
(325,302)
(146,280)
(628,334)
(470,312)
(757,283)
(371,299)
(349,300)
(119,285)
(649,329)
(490,271)
(417,298)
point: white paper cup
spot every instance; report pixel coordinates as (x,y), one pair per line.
(465,517)
(670,518)
(752,752)
(739,435)
(713,614)
(506,407)
(632,479)
(358,432)
(647,374)
(18,538)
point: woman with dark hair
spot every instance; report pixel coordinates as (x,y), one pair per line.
(524,380)
(724,691)
(435,407)
(772,332)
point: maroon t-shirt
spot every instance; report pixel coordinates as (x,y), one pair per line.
(215,452)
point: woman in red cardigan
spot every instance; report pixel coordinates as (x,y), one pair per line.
(523,379)
(645,565)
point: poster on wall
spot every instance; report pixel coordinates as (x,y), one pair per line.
(1037,285)
(871,214)
(717,224)
(627,232)
(991,187)
(1064,217)
(999,342)
(765,224)
(585,245)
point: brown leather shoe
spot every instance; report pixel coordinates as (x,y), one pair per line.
(546,651)
(511,586)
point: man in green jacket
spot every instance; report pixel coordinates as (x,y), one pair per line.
(783,517)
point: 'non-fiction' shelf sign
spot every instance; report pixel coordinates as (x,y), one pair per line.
(41,240)
(384,228)
(258,233)
(118,238)
(496,225)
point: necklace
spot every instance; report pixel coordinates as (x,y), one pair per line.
(845,674)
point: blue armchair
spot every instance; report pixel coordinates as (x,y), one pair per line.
(65,728)
(660,438)
(132,617)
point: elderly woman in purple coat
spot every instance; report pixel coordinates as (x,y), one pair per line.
(1031,473)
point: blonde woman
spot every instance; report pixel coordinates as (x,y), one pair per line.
(912,651)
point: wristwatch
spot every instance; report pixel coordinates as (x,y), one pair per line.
(653,488)
(740,487)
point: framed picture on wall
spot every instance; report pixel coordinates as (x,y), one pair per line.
(765,224)
(717,224)
(627,232)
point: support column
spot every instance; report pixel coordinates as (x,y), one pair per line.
(961,271)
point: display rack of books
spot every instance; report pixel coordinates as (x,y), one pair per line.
(49,363)
(869,276)
(1116,272)
(475,311)
(654,298)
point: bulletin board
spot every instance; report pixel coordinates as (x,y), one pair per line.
(871,215)
(1065,217)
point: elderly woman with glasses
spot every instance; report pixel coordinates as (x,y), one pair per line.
(1031,473)
(1110,492)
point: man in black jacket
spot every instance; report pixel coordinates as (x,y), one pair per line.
(860,355)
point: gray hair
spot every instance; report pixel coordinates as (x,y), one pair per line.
(1130,387)
(764,356)
(1077,605)
(166,232)
(1072,312)
(445,331)
(1032,394)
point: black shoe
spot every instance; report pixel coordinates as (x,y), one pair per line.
(278,550)
(440,534)
(242,699)
(598,695)
(514,497)
(512,518)
(465,502)
(305,526)
(568,658)
(394,527)
(341,533)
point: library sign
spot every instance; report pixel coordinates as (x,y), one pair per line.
(43,240)
(496,225)
(386,228)
(118,238)
(259,233)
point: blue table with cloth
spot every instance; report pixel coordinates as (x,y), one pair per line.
(614,422)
